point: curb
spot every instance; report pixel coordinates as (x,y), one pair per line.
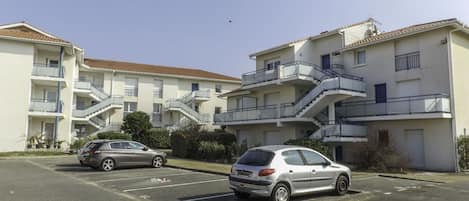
(413,179)
(198,170)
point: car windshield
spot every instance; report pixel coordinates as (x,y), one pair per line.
(256,158)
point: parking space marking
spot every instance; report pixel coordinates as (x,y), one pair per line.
(211,197)
(145,177)
(174,185)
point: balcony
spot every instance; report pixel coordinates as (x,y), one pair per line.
(198,96)
(411,107)
(341,132)
(40,107)
(47,74)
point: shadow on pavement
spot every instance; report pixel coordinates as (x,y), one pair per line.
(219,196)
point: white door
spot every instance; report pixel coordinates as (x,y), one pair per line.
(272,138)
(415,148)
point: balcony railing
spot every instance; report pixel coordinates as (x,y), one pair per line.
(41,105)
(407,61)
(294,69)
(86,85)
(434,103)
(47,70)
(247,114)
(205,94)
(94,109)
(202,118)
(340,130)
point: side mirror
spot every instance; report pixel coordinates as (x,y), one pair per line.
(145,149)
(326,163)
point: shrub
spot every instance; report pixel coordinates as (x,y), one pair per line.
(78,144)
(179,144)
(154,138)
(210,150)
(380,158)
(136,123)
(312,144)
(463,151)
(111,135)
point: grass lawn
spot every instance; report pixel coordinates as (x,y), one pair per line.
(199,165)
(31,153)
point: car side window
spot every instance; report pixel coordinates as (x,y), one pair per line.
(312,158)
(134,145)
(125,145)
(292,157)
(116,145)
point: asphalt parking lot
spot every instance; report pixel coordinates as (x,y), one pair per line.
(51,179)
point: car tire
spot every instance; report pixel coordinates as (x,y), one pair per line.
(157,162)
(241,195)
(107,164)
(281,192)
(341,185)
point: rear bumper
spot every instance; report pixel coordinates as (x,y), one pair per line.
(254,187)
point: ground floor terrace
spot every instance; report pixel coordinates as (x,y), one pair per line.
(425,144)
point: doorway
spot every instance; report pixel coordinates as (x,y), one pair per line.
(326,62)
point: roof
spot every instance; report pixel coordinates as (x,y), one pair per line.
(23,30)
(402,32)
(313,37)
(158,69)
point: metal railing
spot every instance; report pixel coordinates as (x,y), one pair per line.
(433,103)
(202,118)
(246,114)
(407,61)
(87,85)
(98,121)
(340,129)
(113,100)
(47,70)
(41,105)
(187,98)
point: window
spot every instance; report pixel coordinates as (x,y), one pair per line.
(196,108)
(116,145)
(129,107)
(292,157)
(272,64)
(195,86)
(53,63)
(131,87)
(256,158)
(407,61)
(217,110)
(218,88)
(312,158)
(158,88)
(360,57)
(156,115)
(135,145)
(383,138)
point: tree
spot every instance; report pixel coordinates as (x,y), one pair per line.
(136,123)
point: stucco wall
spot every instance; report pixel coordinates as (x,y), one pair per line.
(460,52)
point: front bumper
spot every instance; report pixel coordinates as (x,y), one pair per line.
(259,188)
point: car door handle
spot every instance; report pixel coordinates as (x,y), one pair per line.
(314,171)
(291,171)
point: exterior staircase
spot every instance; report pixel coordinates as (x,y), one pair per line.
(91,90)
(109,103)
(179,106)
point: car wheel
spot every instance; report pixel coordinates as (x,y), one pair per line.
(157,162)
(241,195)
(341,186)
(108,164)
(281,192)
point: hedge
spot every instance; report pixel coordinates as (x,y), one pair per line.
(112,135)
(154,138)
(204,145)
(463,151)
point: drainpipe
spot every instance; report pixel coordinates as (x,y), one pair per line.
(59,102)
(453,109)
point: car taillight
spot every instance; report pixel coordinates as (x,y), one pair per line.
(266,172)
(95,151)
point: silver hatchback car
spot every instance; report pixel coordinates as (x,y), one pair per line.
(110,154)
(282,171)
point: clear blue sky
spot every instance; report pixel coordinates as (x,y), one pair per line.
(196,33)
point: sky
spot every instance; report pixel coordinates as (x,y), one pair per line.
(199,34)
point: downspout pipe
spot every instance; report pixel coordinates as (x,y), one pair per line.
(453,106)
(59,87)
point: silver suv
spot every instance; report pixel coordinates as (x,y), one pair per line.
(281,171)
(110,154)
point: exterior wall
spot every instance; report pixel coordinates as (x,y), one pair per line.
(432,76)
(18,58)
(438,149)
(285,55)
(460,60)
(173,87)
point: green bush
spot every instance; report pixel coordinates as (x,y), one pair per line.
(111,135)
(179,144)
(312,144)
(210,150)
(463,151)
(136,123)
(78,144)
(154,138)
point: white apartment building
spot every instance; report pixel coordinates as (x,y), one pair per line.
(57,94)
(355,84)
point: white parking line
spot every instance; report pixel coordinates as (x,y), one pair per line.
(145,177)
(173,185)
(211,197)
